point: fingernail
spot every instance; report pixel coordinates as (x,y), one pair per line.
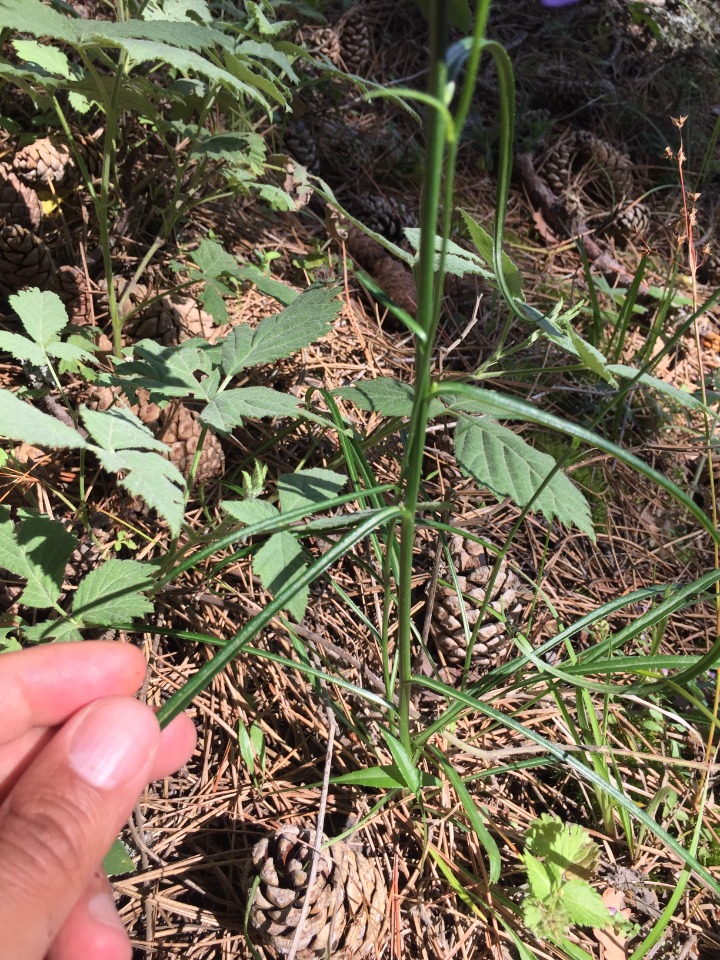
(112,742)
(102,908)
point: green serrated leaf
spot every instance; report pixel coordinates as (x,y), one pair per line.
(387,396)
(541,882)
(229,409)
(42,313)
(112,593)
(213,260)
(119,429)
(306,487)
(21,421)
(49,59)
(150,476)
(584,906)
(484,245)
(22,348)
(37,549)
(268,285)
(591,357)
(501,460)
(278,563)
(118,861)
(250,511)
(61,631)
(306,319)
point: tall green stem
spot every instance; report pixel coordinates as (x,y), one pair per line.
(426,278)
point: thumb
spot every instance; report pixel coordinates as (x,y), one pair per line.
(60,818)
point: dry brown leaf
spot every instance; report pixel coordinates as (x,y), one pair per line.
(613,943)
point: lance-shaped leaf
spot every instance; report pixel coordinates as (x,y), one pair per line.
(306,319)
(113,593)
(501,460)
(387,396)
(152,477)
(37,549)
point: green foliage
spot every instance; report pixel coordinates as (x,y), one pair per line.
(560,860)
(36,549)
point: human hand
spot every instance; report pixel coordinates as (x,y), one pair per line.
(76,751)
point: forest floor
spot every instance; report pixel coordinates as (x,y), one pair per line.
(596,147)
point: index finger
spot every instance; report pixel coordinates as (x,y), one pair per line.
(43,686)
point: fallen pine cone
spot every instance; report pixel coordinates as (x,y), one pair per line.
(347,904)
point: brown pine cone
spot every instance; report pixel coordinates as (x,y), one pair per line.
(381,214)
(18,203)
(46,160)
(73,290)
(347,903)
(630,222)
(24,260)
(473,569)
(320,42)
(300,144)
(356,42)
(180,429)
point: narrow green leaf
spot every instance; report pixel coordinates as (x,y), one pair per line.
(387,396)
(408,770)
(383,778)
(674,393)
(42,313)
(273,288)
(501,460)
(112,593)
(37,549)
(20,421)
(307,487)
(484,245)
(476,819)
(279,563)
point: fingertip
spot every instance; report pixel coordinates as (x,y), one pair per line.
(177,743)
(93,928)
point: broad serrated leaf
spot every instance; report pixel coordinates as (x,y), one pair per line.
(112,593)
(119,429)
(42,313)
(484,245)
(22,348)
(48,58)
(584,906)
(165,372)
(387,396)
(37,549)
(213,260)
(250,511)
(541,882)
(674,393)
(20,421)
(501,460)
(71,352)
(569,844)
(61,631)
(458,261)
(273,288)
(307,487)
(277,564)
(150,476)
(229,409)
(306,319)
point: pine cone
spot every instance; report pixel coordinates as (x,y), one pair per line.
(46,160)
(320,42)
(347,903)
(380,214)
(473,570)
(73,290)
(24,260)
(300,144)
(18,203)
(630,222)
(356,43)
(180,429)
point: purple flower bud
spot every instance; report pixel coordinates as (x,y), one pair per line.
(558,3)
